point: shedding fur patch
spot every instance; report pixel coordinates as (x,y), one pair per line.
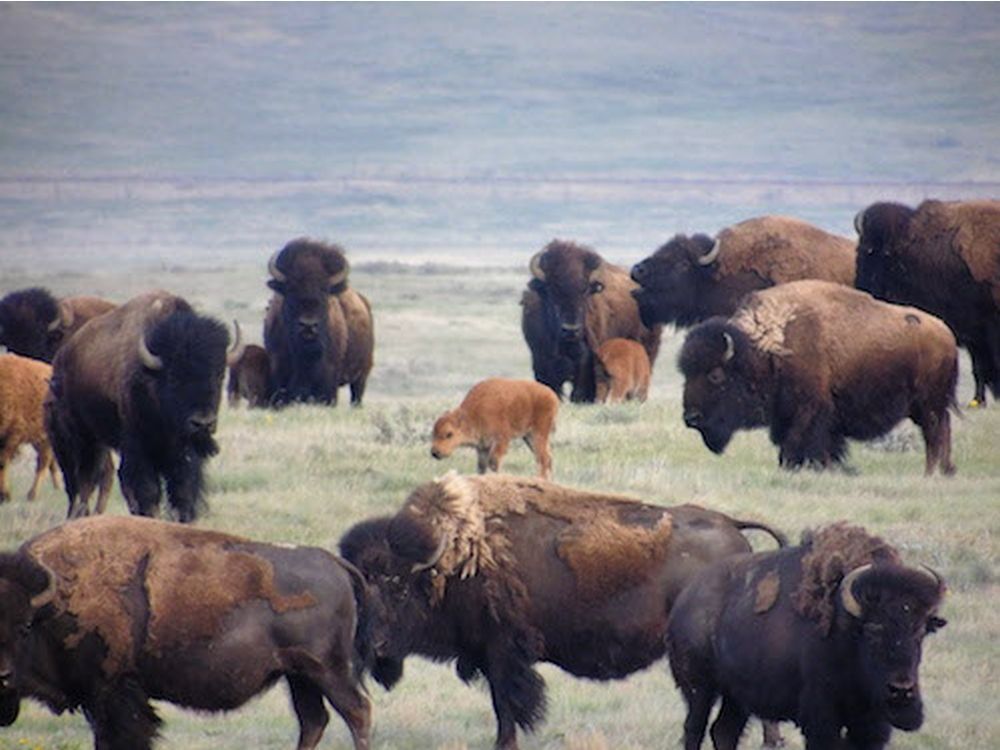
(767,590)
(190,580)
(832,553)
(764,319)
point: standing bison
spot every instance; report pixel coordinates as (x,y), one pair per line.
(575,302)
(318,332)
(943,258)
(818,363)
(23,385)
(249,373)
(498,572)
(691,279)
(104,614)
(35,324)
(144,380)
(827,634)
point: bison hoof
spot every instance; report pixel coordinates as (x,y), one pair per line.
(976,404)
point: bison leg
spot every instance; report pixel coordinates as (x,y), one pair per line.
(140,482)
(539,444)
(348,700)
(185,487)
(307,700)
(772,734)
(728,725)
(482,458)
(44,462)
(699,702)
(121,718)
(518,694)
(497,451)
(105,483)
(358,391)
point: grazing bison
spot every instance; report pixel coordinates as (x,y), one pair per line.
(318,332)
(691,279)
(23,385)
(943,258)
(576,301)
(827,634)
(818,363)
(621,369)
(105,614)
(34,324)
(493,413)
(498,572)
(144,380)
(249,373)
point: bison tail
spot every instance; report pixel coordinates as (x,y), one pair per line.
(778,536)
(365,629)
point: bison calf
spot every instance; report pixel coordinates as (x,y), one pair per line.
(493,413)
(827,634)
(621,370)
(23,385)
(249,373)
(103,614)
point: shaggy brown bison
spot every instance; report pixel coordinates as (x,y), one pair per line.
(943,258)
(318,332)
(827,634)
(621,369)
(144,380)
(691,279)
(249,373)
(576,301)
(105,614)
(493,413)
(35,324)
(498,572)
(23,385)
(819,363)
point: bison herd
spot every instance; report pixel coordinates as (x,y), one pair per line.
(817,338)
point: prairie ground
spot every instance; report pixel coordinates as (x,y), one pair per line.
(305,474)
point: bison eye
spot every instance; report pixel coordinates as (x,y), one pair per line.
(448,435)
(717,376)
(596,287)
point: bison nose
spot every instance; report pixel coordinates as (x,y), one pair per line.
(692,417)
(638,272)
(202,424)
(6,679)
(308,327)
(435,453)
(902,689)
(571,330)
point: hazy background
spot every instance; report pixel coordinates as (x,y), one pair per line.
(211,133)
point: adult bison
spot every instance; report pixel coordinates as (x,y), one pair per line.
(819,363)
(35,324)
(575,302)
(691,279)
(318,332)
(499,572)
(144,380)
(943,258)
(105,614)
(827,634)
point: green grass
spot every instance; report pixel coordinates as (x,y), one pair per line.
(306,474)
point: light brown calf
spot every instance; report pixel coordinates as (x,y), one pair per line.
(493,413)
(621,371)
(23,385)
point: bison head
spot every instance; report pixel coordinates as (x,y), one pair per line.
(25,588)
(33,324)
(305,273)
(447,435)
(881,228)
(565,269)
(393,556)
(891,608)
(184,355)
(721,389)
(672,280)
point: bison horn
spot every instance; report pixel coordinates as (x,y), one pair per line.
(710,257)
(149,359)
(236,351)
(730,347)
(64,317)
(847,598)
(535,265)
(933,574)
(338,278)
(44,597)
(431,561)
(272,267)
(859,221)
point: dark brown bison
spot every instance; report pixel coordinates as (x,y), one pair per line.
(35,324)
(105,614)
(575,302)
(144,380)
(827,634)
(943,258)
(499,572)
(819,363)
(249,373)
(691,279)
(318,332)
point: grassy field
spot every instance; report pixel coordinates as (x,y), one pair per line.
(307,473)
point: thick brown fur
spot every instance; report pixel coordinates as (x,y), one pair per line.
(250,378)
(494,412)
(622,371)
(34,324)
(24,383)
